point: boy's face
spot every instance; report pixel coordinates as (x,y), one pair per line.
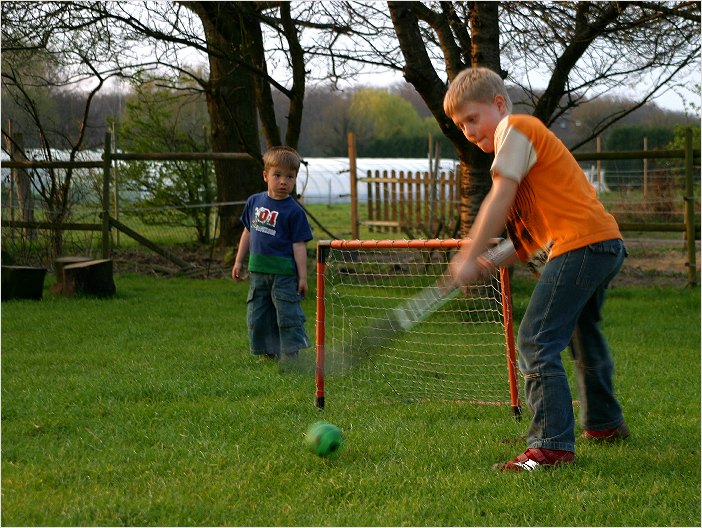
(280,180)
(478,121)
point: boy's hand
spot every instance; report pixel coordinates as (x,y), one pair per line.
(237,272)
(465,270)
(302,287)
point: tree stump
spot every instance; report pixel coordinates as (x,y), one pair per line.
(61,263)
(91,277)
(22,282)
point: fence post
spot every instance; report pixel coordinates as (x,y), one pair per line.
(690,212)
(598,143)
(353,183)
(106,166)
(115,190)
(22,187)
(645,167)
(9,138)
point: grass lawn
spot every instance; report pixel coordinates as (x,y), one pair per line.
(147,409)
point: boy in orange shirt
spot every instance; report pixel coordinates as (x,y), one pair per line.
(551,212)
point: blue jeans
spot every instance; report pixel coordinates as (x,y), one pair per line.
(565,311)
(274,316)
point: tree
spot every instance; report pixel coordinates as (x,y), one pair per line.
(109,38)
(387,114)
(239,87)
(326,123)
(37,57)
(579,52)
(479,48)
(228,34)
(169,120)
(231,92)
(387,125)
(258,49)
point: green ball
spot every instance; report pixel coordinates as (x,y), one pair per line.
(324,439)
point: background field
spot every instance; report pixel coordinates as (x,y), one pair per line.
(148,410)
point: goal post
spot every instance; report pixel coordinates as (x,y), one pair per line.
(449,347)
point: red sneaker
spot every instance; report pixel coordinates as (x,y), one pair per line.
(534,458)
(607,435)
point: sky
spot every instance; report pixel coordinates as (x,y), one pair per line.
(677,98)
(683,97)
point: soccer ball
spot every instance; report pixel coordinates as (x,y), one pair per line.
(324,439)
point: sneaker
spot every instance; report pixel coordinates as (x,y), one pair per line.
(534,458)
(607,435)
(265,356)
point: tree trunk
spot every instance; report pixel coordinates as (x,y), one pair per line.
(475,184)
(484,51)
(475,166)
(231,104)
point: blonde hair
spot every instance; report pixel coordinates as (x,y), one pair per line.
(283,156)
(475,84)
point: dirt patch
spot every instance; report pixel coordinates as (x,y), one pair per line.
(657,262)
(635,275)
(650,262)
(206,262)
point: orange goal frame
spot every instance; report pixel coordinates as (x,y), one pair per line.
(323,247)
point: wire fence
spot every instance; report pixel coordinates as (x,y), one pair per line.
(656,195)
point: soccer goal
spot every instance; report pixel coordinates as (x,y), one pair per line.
(386,329)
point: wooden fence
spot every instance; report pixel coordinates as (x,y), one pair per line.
(420,204)
(413,201)
(431,205)
(107,221)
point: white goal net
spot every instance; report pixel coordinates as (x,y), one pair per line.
(379,337)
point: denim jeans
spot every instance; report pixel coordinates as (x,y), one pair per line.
(565,311)
(274,316)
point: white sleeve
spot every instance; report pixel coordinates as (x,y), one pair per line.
(514,153)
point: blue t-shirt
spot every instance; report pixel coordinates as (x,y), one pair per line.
(274,226)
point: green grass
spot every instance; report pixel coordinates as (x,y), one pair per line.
(148,410)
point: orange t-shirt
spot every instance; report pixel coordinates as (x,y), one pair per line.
(556,209)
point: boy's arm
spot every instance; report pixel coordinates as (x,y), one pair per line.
(241,256)
(300,255)
(466,267)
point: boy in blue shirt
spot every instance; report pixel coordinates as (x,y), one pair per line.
(275,235)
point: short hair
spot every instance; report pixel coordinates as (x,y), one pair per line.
(281,157)
(474,84)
